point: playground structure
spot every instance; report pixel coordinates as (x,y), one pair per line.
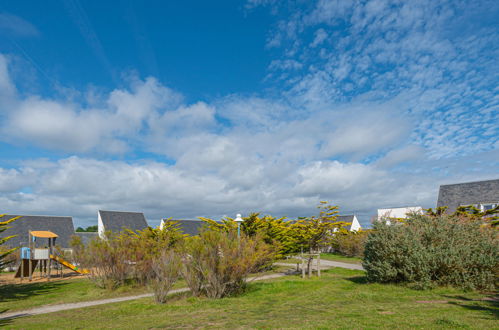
(45,258)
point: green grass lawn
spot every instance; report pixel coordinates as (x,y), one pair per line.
(337,257)
(24,296)
(332,257)
(340,299)
(15,297)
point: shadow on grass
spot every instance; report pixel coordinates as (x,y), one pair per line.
(490,304)
(5,322)
(13,292)
(358,279)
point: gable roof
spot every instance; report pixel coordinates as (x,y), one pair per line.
(61,226)
(189,227)
(454,195)
(345,218)
(86,236)
(116,221)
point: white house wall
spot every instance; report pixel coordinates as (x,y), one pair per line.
(355,226)
(100,226)
(399,212)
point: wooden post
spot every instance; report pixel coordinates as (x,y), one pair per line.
(30,266)
(319,264)
(302,265)
(22,268)
(50,260)
(309,262)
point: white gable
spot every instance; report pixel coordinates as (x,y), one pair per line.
(100,226)
(355,226)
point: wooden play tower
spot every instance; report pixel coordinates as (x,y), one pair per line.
(33,257)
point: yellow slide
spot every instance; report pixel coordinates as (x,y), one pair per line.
(69,265)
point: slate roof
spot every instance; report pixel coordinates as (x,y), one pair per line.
(62,226)
(116,221)
(346,218)
(454,195)
(190,227)
(86,237)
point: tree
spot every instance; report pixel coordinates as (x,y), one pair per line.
(273,231)
(89,229)
(315,232)
(308,234)
(4,227)
(311,234)
(490,217)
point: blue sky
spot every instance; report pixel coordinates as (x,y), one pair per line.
(199,108)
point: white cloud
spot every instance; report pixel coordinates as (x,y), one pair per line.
(13,25)
(7,88)
(320,36)
(62,124)
(435,55)
(397,156)
(80,186)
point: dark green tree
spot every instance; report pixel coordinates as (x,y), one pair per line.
(5,253)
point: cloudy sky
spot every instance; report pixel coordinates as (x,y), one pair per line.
(211,108)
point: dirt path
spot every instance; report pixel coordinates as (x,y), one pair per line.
(63,307)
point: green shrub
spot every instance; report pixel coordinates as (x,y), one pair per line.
(108,260)
(218,263)
(430,251)
(350,244)
(165,272)
(127,256)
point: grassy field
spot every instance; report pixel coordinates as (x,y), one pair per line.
(332,257)
(340,299)
(15,297)
(337,257)
(24,296)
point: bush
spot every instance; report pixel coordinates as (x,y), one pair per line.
(429,251)
(350,244)
(126,256)
(147,245)
(165,272)
(217,263)
(108,260)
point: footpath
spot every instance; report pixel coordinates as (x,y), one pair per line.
(325,264)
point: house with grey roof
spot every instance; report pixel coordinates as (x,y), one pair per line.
(352,219)
(62,226)
(484,195)
(189,227)
(116,221)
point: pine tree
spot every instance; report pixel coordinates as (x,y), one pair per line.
(4,227)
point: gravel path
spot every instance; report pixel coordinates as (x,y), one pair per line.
(63,307)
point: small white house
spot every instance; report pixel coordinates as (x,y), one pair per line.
(398,212)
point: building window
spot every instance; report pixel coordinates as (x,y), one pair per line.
(488,206)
